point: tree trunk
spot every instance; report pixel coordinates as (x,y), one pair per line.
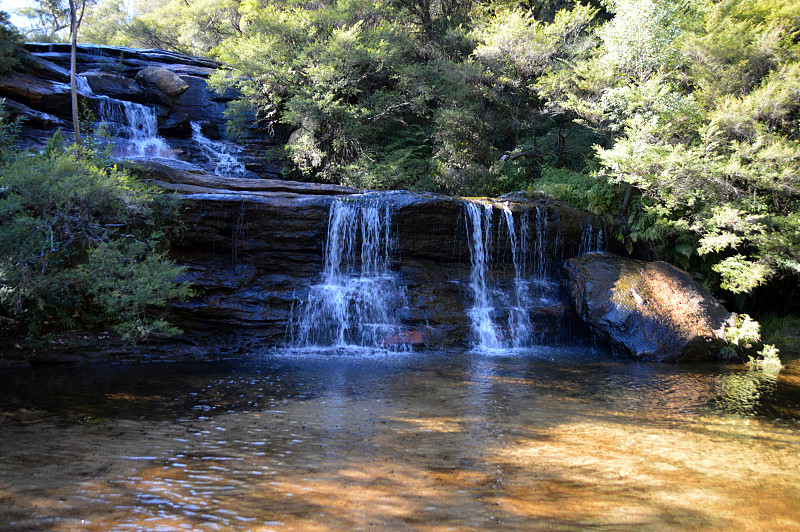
(73,70)
(624,209)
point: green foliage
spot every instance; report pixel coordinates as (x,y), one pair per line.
(742,336)
(106,23)
(9,132)
(9,41)
(78,246)
(640,40)
(126,279)
(359,87)
(591,192)
(240,117)
(744,332)
(768,361)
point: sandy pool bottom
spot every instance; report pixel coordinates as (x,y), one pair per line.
(432,455)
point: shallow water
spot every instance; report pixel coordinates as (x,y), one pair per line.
(301,440)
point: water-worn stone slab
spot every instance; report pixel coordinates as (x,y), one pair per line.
(648,310)
(114,86)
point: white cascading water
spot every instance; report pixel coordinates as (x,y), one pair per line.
(221,155)
(355,303)
(479,226)
(519,319)
(592,239)
(133,128)
(501,311)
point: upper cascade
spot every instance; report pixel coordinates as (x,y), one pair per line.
(150,103)
(133,128)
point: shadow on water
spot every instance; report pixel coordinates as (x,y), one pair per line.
(527,439)
(515,378)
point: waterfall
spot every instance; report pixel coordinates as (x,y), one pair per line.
(221,155)
(480,246)
(519,320)
(592,239)
(356,301)
(502,304)
(133,128)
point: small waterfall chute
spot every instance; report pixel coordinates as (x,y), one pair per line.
(504,304)
(519,319)
(479,227)
(592,239)
(355,303)
(219,154)
(133,129)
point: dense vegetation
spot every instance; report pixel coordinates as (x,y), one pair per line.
(79,244)
(678,119)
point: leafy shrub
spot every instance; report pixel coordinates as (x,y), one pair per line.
(78,246)
(591,192)
(768,362)
(9,40)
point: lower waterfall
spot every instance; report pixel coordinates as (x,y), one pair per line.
(356,302)
(504,301)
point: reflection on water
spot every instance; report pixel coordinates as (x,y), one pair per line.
(545,438)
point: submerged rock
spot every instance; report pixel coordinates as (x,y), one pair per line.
(648,310)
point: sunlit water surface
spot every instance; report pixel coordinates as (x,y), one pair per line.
(304,440)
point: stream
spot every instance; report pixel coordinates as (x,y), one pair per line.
(303,439)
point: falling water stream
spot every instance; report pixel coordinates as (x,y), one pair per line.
(501,307)
(133,129)
(355,303)
(479,226)
(221,155)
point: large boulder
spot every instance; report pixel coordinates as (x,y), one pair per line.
(200,103)
(163,80)
(648,310)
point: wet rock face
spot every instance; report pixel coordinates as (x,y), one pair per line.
(648,310)
(254,248)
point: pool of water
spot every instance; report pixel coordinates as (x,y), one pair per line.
(551,439)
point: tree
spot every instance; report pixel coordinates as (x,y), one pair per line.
(48,19)
(9,41)
(75,22)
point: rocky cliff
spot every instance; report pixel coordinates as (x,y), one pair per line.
(253,249)
(175,86)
